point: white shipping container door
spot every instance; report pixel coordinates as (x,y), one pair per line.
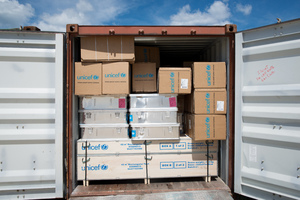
(31,119)
(267,116)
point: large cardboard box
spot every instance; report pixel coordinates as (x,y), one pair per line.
(208,101)
(144,77)
(207,127)
(88,78)
(110,167)
(110,147)
(209,74)
(107,48)
(115,78)
(182,165)
(184,145)
(147,54)
(174,80)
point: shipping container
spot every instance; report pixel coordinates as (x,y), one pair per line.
(40,122)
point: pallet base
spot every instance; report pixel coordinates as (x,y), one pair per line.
(147,181)
(123,187)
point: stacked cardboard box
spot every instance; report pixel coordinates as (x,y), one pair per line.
(125,159)
(174,80)
(207,103)
(104,70)
(107,49)
(144,77)
(105,65)
(147,54)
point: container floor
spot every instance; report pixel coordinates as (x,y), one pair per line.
(160,186)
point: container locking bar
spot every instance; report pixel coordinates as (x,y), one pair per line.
(207,178)
(85,182)
(147,181)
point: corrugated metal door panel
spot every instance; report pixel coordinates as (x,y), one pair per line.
(31,126)
(267,117)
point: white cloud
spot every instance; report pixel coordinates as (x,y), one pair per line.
(84,12)
(84,6)
(57,22)
(13,14)
(217,14)
(245,9)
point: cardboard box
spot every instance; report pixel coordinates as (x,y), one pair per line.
(88,78)
(174,80)
(184,145)
(204,101)
(147,54)
(107,48)
(144,77)
(115,78)
(114,147)
(182,165)
(110,167)
(207,127)
(133,166)
(209,74)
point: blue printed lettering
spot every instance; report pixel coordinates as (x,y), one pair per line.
(208,77)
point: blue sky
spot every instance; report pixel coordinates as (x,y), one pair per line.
(53,15)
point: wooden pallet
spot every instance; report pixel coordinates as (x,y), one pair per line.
(123,187)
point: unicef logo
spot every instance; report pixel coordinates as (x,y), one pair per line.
(151,75)
(207,95)
(172,74)
(123,75)
(95,77)
(104,167)
(208,67)
(104,147)
(207,119)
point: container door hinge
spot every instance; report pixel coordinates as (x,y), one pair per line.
(86,161)
(66,164)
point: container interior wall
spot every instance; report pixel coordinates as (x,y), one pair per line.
(75,117)
(173,52)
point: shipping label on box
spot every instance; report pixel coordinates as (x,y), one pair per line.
(209,74)
(144,77)
(115,78)
(207,127)
(174,80)
(111,167)
(97,147)
(107,48)
(182,165)
(211,101)
(147,54)
(184,145)
(88,78)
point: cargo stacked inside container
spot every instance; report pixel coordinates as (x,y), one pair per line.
(157,75)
